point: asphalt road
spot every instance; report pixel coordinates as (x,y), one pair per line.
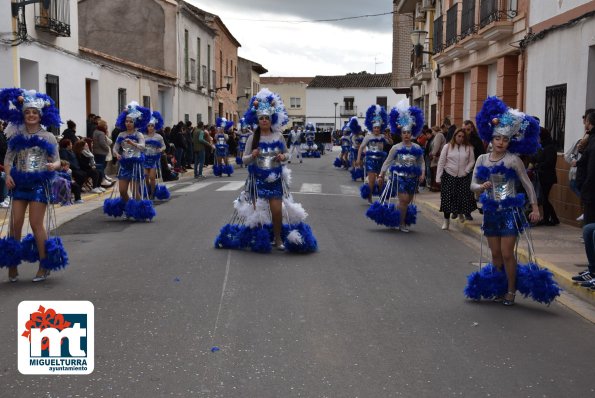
(374,313)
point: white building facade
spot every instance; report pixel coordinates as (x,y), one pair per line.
(560,83)
(333,100)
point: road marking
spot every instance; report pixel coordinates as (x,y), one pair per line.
(311,188)
(232,186)
(195,187)
(349,190)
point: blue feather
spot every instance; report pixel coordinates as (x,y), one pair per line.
(10,252)
(364,191)
(161,192)
(140,209)
(261,239)
(537,283)
(19,142)
(411,216)
(492,108)
(56,256)
(239,161)
(384,214)
(8,97)
(357,173)
(231,236)
(309,243)
(486,283)
(114,207)
(29,251)
(227,169)
(338,162)
(217,170)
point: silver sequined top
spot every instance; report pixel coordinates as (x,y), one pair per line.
(129,150)
(33,159)
(261,161)
(503,187)
(152,149)
(403,159)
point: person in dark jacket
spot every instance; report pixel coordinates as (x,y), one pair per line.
(545,165)
(70,132)
(473,137)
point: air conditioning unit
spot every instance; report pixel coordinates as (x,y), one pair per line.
(427,5)
(420,15)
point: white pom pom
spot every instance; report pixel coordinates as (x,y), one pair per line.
(295,237)
(293,212)
(287,175)
(272,177)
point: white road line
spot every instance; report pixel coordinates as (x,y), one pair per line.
(195,187)
(311,188)
(232,186)
(349,190)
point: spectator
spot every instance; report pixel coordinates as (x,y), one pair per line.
(449,129)
(180,143)
(545,165)
(454,172)
(199,146)
(4,200)
(70,132)
(91,124)
(188,155)
(73,188)
(101,145)
(473,138)
(438,142)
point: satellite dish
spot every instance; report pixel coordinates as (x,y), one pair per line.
(46,3)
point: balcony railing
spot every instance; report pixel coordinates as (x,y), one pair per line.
(55,19)
(468,26)
(451,25)
(496,10)
(348,110)
(438,35)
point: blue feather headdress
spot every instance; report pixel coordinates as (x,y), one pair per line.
(352,126)
(376,116)
(156,120)
(406,118)
(267,103)
(310,127)
(244,124)
(140,115)
(495,118)
(224,124)
(14,101)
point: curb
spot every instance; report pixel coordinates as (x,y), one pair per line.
(563,277)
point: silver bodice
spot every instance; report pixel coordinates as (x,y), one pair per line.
(221,140)
(501,187)
(243,138)
(32,159)
(405,160)
(310,137)
(151,150)
(130,151)
(266,158)
(374,146)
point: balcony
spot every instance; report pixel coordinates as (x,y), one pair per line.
(438,35)
(348,110)
(451,25)
(420,15)
(495,18)
(468,25)
(55,19)
(420,70)
(426,5)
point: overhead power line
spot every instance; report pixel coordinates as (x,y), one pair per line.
(312,20)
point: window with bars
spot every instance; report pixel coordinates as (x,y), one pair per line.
(147,101)
(121,100)
(186,59)
(198,59)
(192,70)
(205,76)
(555,113)
(52,89)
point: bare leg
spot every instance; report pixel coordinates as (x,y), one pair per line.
(36,217)
(150,179)
(123,188)
(276,206)
(404,200)
(16,227)
(507,243)
(371,183)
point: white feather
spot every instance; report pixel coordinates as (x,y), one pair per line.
(287,175)
(261,215)
(293,212)
(272,177)
(295,237)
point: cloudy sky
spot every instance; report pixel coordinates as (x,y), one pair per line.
(289,48)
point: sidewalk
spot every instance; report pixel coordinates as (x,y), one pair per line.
(557,248)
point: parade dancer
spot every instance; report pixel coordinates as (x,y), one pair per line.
(154,147)
(404,162)
(311,147)
(222,165)
(350,127)
(295,141)
(357,172)
(511,133)
(242,139)
(265,212)
(129,150)
(373,146)
(30,165)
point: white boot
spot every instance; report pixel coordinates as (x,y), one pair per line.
(446,223)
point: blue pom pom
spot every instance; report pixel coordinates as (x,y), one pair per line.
(357,173)
(537,283)
(486,283)
(29,250)
(56,256)
(411,217)
(239,161)
(386,214)
(161,192)
(217,170)
(364,191)
(10,252)
(140,209)
(338,162)
(261,239)
(231,236)
(299,238)
(227,169)
(114,207)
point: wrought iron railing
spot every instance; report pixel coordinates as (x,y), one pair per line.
(451,25)
(55,19)
(496,10)
(555,113)
(438,35)
(468,25)
(348,110)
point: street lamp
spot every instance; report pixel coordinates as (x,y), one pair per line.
(246,94)
(227,85)
(335,128)
(418,38)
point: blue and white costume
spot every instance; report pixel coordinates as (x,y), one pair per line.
(242,139)
(154,146)
(350,127)
(503,204)
(130,147)
(251,225)
(404,164)
(222,148)
(295,140)
(27,159)
(310,147)
(356,141)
